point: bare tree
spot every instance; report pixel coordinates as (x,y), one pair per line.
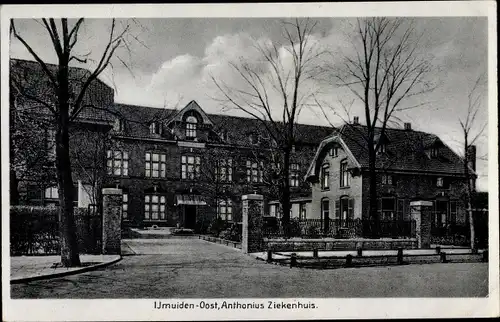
(384,71)
(286,84)
(472,130)
(64,105)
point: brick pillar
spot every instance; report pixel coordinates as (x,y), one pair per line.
(253,211)
(111,221)
(421,213)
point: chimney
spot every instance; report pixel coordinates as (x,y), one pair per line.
(355,120)
(408,126)
(471,157)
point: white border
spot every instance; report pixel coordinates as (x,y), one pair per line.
(329,308)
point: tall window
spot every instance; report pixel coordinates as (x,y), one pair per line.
(325,176)
(334,152)
(224,170)
(225,210)
(302,211)
(125,206)
(117,162)
(440,182)
(190,167)
(325,208)
(434,152)
(155,128)
(255,171)
(51,144)
(273,210)
(156,165)
(191,124)
(382,148)
(294,175)
(344,174)
(154,207)
(388,209)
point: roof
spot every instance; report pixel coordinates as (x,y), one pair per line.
(33,83)
(237,128)
(406,150)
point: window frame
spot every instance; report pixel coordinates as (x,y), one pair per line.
(325,201)
(325,176)
(227,166)
(227,214)
(125,206)
(148,203)
(123,160)
(344,174)
(191,127)
(334,151)
(255,171)
(294,175)
(383,210)
(150,162)
(196,166)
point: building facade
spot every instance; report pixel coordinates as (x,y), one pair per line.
(410,165)
(175,167)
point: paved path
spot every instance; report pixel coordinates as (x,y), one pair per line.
(193,268)
(22,267)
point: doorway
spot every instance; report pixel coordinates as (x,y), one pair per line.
(189,216)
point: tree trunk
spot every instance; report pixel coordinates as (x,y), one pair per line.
(373,211)
(69,244)
(285,193)
(14,188)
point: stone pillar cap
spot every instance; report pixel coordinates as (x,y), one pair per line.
(421,203)
(111,191)
(252,196)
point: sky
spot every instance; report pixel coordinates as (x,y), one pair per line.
(171,61)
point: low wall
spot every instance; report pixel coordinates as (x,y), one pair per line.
(220,241)
(299,244)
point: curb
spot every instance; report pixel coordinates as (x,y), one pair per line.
(62,274)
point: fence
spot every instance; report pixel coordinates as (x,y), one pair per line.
(459,234)
(35,231)
(336,228)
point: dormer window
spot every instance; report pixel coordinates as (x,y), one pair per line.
(118,125)
(434,152)
(382,148)
(191,125)
(254,138)
(223,135)
(155,128)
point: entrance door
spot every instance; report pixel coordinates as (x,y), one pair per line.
(190,217)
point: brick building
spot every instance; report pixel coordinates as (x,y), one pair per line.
(410,165)
(175,167)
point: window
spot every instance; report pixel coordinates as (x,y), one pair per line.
(382,148)
(254,171)
(51,144)
(302,211)
(254,138)
(434,152)
(294,175)
(272,210)
(453,212)
(334,152)
(51,193)
(439,182)
(325,176)
(344,209)
(154,207)
(223,135)
(387,179)
(155,128)
(124,206)
(191,124)
(225,210)
(344,174)
(190,167)
(118,125)
(224,170)
(156,165)
(388,209)
(117,162)
(325,209)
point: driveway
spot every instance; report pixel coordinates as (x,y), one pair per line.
(193,268)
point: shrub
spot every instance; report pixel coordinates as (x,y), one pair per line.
(232,233)
(312,232)
(216,226)
(295,230)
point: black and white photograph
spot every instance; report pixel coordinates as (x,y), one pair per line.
(248,161)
